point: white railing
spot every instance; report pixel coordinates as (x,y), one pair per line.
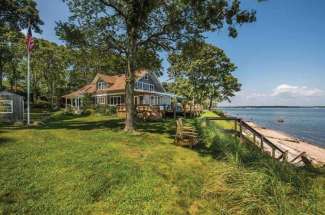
(139,85)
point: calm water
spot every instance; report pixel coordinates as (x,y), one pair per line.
(304,123)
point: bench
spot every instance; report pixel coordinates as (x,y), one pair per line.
(185,135)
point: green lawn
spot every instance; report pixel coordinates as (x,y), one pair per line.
(88,165)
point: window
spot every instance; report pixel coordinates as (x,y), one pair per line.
(101,85)
(144,86)
(6,106)
(154,100)
(116,100)
(101,100)
(146,76)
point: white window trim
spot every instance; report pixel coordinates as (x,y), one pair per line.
(100,100)
(119,100)
(154,100)
(140,85)
(101,85)
(11,104)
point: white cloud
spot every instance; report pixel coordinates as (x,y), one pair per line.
(286,90)
(283,94)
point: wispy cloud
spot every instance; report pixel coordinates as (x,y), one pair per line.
(286,90)
(283,94)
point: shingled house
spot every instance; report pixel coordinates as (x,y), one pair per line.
(109,90)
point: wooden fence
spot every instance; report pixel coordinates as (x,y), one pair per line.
(246,132)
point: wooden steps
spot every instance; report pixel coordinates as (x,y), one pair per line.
(279,152)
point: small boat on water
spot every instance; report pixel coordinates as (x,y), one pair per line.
(280,120)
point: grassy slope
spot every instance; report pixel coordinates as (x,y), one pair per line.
(88,165)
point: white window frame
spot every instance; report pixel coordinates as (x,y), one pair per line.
(11,104)
(100,100)
(113,101)
(101,85)
(142,86)
(154,100)
(146,76)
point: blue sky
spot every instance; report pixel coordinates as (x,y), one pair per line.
(280,58)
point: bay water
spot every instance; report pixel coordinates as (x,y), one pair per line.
(305,123)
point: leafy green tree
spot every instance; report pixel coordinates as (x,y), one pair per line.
(15,16)
(129,27)
(15,53)
(204,70)
(49,65)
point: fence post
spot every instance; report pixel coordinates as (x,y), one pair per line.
(285,156)
(254,138)
(273,152)
(262,144)
(236,125)
(241,132)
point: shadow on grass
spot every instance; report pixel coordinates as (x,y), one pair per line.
(166,126)
(5,141)
(69,121)
(113,124)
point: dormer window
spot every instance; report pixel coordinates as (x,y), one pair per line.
(101,85)
(146,76)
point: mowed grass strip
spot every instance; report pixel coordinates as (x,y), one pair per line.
(88,165)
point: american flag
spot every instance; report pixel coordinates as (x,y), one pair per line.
(29,40)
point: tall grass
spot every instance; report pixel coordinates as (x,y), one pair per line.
(257,184)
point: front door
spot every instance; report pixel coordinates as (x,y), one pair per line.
(136,98)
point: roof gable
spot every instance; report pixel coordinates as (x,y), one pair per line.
(115,83)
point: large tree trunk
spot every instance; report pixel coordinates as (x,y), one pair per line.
(130,78)
(210,103)
(1,75)
(129,92)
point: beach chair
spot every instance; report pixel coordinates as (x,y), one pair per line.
(185,135)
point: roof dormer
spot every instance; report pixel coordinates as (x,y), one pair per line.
(101,85)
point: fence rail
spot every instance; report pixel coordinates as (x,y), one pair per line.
(250,134)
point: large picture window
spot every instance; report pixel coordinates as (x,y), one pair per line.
(6,106)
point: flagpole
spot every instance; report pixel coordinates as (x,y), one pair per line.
(28,87)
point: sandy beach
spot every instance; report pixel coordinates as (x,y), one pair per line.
(294,146)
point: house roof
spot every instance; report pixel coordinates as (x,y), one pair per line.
(115,83)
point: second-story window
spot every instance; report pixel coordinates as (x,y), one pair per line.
(101,85)
(146,76)
(144,86)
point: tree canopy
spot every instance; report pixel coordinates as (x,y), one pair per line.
(130,27)
(15,15)
(202,71)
